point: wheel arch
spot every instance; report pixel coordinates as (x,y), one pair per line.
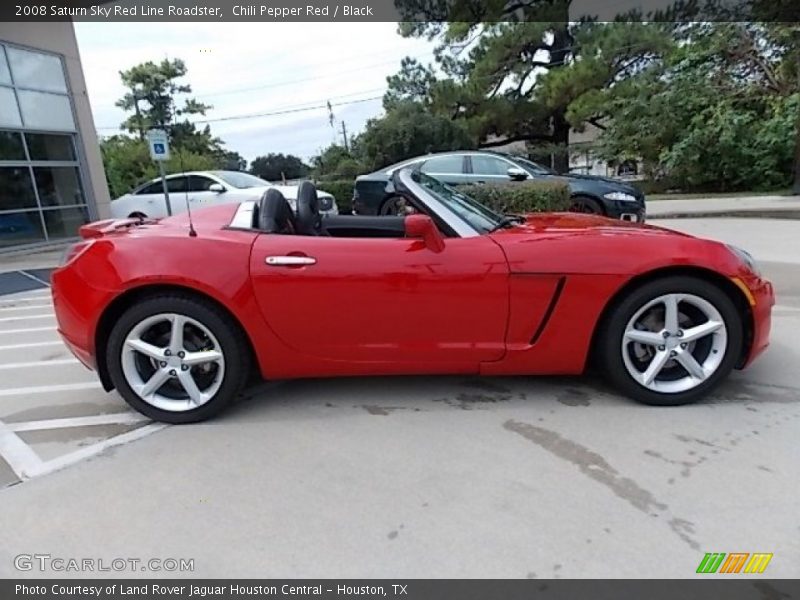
(726,285)
(596,199)
(130,297)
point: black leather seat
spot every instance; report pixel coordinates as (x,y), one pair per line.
(275,214)
(309,219)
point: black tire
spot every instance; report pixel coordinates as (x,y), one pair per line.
(137,215)
(229,334)
(389,207)
(609,341)
(586,205)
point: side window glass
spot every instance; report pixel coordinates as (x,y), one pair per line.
(489,165)
(153,188)
(443,164)
(176,185)
(200,184)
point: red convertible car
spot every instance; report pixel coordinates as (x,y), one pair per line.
(179,315)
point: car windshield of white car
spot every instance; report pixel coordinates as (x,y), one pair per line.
(240,180)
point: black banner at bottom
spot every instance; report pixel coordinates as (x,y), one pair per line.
(744,588)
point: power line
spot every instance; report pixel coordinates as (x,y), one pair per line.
(272,113)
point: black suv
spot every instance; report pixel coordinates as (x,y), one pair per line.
(373,194)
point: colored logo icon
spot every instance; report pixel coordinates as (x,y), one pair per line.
(735,562)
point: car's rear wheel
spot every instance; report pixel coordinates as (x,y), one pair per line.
(177,358)
(586,205)
(671,341)
(137,215)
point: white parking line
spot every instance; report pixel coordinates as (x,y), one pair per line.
(19,456)
(44,389)
(26,330)
(32,345)
(34,278)
(123,418)
(19,308)
(27,318)
(39,363)
(78,455)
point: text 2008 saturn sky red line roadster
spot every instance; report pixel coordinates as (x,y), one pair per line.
(178,316)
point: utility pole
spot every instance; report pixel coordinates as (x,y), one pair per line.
(344,136)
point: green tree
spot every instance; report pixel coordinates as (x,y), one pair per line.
(408,129)
(335,162)
(152,97)
(719,112)
(127,163)
(512,70)
(274,167)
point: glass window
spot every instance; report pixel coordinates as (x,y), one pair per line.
(200,184)
(46,111)
(50,147)
(36,70)
(16,188)
(5,74)
(444,164)
(153,188)
(480,217)
(58,186)
(65,223)
(241,180)
(176,185)
(9,111)
(489,165)
(20,228)
(11,147)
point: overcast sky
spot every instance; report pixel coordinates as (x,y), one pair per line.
(252,68)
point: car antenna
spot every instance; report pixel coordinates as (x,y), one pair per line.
(192,232)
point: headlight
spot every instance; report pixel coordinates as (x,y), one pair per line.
(621,196)
(746,258)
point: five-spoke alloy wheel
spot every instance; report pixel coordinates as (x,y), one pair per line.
(176,358)
(671,341)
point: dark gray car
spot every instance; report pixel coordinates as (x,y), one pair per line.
(374,195)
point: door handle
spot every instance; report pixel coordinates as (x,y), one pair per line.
(290,261)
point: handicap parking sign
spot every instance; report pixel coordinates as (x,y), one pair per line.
(159,144)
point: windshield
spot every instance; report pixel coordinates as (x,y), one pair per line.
(481,218)
(240,180)
(533,166)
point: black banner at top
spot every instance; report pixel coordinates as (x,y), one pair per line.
(399,10)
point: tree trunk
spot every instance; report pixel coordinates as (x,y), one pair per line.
(560,143)
(561,49)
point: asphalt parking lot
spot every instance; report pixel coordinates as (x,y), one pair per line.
(410,477)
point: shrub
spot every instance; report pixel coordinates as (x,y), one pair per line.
(521,197)
(342,190)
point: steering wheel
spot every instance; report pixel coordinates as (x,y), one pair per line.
(309,219)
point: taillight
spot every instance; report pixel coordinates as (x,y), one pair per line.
(75,251)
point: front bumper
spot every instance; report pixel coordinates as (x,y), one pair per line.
(632,212)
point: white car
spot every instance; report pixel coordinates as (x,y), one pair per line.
(204,188)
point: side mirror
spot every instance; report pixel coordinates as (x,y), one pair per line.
(217,188)
(422,227)
(517,174)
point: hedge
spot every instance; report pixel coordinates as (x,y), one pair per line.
(521,197)
(342,191)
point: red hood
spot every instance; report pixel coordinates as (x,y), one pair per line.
(578,243)
(577,223)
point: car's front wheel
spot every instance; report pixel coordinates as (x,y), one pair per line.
(177,358)
(671,341)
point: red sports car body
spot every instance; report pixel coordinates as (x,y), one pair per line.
(298,296)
